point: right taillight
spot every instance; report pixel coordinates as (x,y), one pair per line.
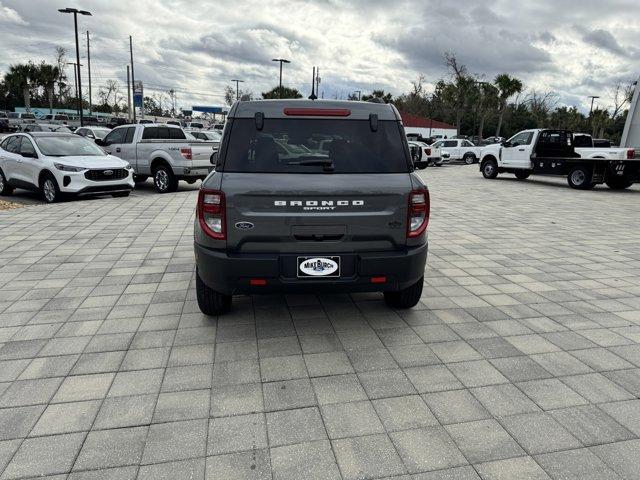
(211,213)
(419,209)
(631,153)
(428,151)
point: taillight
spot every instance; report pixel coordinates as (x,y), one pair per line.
(631,153)
(211,213)
(419,209)
(428,150)
(186,153)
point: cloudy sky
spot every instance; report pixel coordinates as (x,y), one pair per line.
(574,48)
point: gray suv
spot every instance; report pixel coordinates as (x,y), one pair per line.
(311,196)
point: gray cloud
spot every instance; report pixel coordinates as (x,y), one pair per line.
(603,39)
(196,47)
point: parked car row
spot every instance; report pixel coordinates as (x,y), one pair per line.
(97,160)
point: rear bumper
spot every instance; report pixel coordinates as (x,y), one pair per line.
(231,274)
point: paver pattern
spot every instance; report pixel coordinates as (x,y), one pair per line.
(521,362)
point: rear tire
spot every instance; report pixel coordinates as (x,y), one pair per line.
(523,175)
(210,301)
(490,169)
(406,298)
(49,189)
(469,158)
(580,178)
(5,188)
(619,182)
(164,179)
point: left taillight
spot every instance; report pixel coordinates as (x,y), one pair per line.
(419,210)
(427,151)
(211,213)
(186,153)
(631,153)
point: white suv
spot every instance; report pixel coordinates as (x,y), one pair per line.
(59,163)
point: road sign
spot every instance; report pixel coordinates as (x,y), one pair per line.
(138,93)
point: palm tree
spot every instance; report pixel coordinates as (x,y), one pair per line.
(507,86)
(22,77)
(48,75)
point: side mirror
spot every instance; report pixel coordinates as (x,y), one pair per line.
(90,135)
(506,144)
(29,154)
(100,142)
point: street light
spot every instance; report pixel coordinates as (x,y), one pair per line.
(592,97)
(238,82)
(75,80)
(75,12)
(281,60)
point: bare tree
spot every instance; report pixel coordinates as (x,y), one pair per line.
(620,96)
(540,105)
(111,89)
(460,90)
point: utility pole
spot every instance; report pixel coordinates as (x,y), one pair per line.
(133,77)
(89,69)
(238,82)
(128,94)
(317,81)
(592,97)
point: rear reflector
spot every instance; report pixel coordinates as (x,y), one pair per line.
(258,282)
(317,112)
(378,279)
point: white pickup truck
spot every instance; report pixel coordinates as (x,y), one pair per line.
(552,152)
(430,155)
(161,151)
(459,149)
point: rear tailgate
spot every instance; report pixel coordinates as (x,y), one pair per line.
(201,153)
(310,214)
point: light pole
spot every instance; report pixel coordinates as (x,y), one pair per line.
(281,60)
(238,82)
(592,97)
(75,81)
(75,12)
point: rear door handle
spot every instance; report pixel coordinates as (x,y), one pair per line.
(521,149)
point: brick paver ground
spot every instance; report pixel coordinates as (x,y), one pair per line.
(521,362)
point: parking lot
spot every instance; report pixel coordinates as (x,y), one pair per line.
(521,362)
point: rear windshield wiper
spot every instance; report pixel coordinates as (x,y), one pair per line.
(325,163)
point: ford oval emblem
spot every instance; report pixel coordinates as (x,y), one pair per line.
(244,225)
(108,173)
(318,267)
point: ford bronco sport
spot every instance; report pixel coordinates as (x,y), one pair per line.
(311,196)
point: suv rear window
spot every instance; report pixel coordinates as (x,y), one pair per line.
(306,146)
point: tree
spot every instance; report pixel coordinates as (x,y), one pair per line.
(23,78)
(380,94)
(459,92)
(488,101)
(507,87)
(60,63)
(110,89)
(286,93)
(47,76)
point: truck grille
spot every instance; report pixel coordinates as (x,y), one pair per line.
(106,175)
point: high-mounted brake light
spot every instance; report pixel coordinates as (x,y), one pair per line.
(186,153)
(317,112)
(419,210)
(211,213)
